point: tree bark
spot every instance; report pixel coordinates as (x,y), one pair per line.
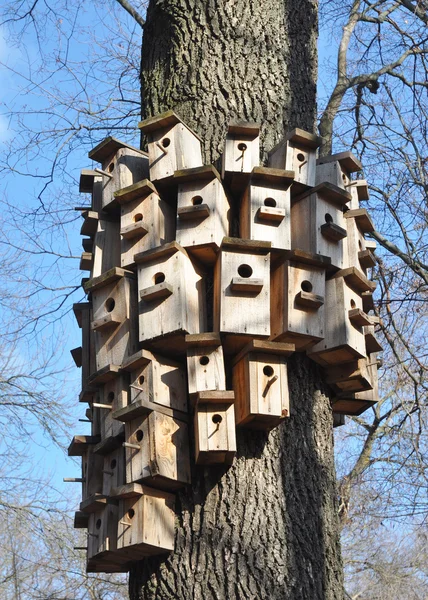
(266,527)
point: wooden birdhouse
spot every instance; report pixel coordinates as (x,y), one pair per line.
(242,291)
(156,383)
(241,154)
(113,303)
(146,221)
(297,304)
(157,451)
(317,222)
(358,223)
(214,423)
(372,343)
(122,165)
(172,145)
(297,152)
(205,363)
(337,169)
(260,382)
(113,396)
(92,484)
(85,355)
(344,319)
(265,207)
(172,301)
(102,532)
(202,212)
(91,182)
(146,522)
(350,377)
(359,191)
(348,403)
(113,470)
(90,222)
(106,246)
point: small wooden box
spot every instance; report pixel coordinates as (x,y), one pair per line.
(102,532)
(215,435)
(146,523)
(344,318)
(113,470)
(91,182)
(350,377)
(172,301)
(297,304)
(106,248)
(260,382)
(163,458)
(146,221)
(202,212)
(113,394)
(353,404)
(205,363)
(297,152)
(92,474)
(359,190)
(357,254)
(242,289)
(172,145)
(337,169)
(114,313)
(317,223)
(265,207)
(83,313)
(241,154)
(122,165)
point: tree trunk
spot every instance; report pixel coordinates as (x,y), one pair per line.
(267,526)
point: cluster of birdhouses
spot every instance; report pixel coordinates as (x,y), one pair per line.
(186,330)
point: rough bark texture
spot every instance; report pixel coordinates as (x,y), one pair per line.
(266,527)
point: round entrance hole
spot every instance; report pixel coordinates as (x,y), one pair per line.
(166,142)
(306,286)
(245,271)
(113,464)
(300,157)
(196,200)
(328,218)
(138,217)
(141,379)
(159,278)
(353,305)
(270,202)
(268,371)
(204,360)
(242,147)
(98,524)
(217,419)
(111,168)
(110,397)
(131,513)
(110,304)
(139,435)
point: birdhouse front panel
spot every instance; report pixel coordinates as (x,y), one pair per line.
(205,369)
(297,152)
(146,522)
(297,304)
(102,531)
(265,214)
(172,148)
(123,168)
(88,343)
(114,333)
(162,459)
(333,173)
(355,246)
(106,250)
(242,293)
(344,337)
(202,213)
(260,382)
(241,153)
(171,297)
(144,224)
(114,470)
(161,381)
(92,474)
(114,394)
(215,437)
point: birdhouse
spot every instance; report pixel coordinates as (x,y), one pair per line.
(265,207)
(83,313)
(350,377)
(146,221)
(241,154)
(317,223)
(214,423)
(157,451)
(297,303)
(359,191)
(337,169)
(92,481)
(260,383)
(202,212)
(205,363)
(113,306)
(90,222)
(297,152)
(344,319)
(372,344)
(172,145)
(113,470)
(91,182)
(358,223)
(146,522)
(172,301)
(106,247)
(113,396)
(122,165)
(348,403)
(242,291)
(102,532)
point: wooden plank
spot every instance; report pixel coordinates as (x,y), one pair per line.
(203,339)
(347,159)
(333,232)
(305,138)
(144,406)
(355,279)
(206,172)
(159,252)
(107,278)
(80,520)
(86,181)
(250,285)
(251,246)
(269,175)
(362,218)
(138,190)
(366,259)
(191,213)
(93,503)
(108,146)
(244,128)
(331,192)
(166,119)
(109,444)
(76,353)
(358,317)
(104,375)
(309,300)
(215,397)
(266,347)
(79,444)
(156,292)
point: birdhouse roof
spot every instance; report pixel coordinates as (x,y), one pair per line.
(347,160)
(166,119)
(109,146)
(141,189)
